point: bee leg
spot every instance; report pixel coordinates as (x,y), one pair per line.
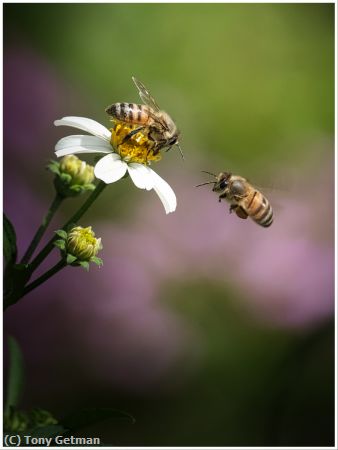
(232,208)
(220,197)
(241,213)
(154,149)
(131,134)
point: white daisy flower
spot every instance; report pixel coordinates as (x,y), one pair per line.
(133,156)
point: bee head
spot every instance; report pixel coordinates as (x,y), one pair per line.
(173,140)
(222,182)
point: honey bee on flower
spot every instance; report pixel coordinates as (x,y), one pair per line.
(120,156)
(136,147)
(146,122)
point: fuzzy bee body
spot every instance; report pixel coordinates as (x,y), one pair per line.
(154,123)
(244,199)
(131,113)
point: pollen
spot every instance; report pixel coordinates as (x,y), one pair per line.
(137,148)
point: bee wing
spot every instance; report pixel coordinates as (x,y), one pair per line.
(278,198)
(145,95)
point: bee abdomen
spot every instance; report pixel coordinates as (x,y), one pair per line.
(267,218)
(260,210)
(129,112)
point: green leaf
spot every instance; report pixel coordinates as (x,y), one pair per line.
(89,187)
(41,418)
(10,251)
(76,188)
(54,166)
(53,162)
(15,279)
(71,258)
(65,177)
(96,260)
(48,431)
(89,416)
(60,244)
(15,374)
(84,264)
(61,233)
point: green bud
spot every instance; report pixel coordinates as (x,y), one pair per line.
(16,421)
(82,243)
(73,176)
(81,172)
(41,418)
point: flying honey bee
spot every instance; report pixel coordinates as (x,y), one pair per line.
(156,124)
(244,199)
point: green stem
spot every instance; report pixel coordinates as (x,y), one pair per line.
(55,269)
(45,222)
(49,246)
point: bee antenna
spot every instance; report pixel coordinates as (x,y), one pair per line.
(209,173)
(179,147)
(203,184)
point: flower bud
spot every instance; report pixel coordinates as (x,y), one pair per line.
(82,243)
(81,172)
(42,418)
(18,421)
(15,421)
(73,176)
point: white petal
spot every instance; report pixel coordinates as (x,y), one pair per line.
(141,176)
(110,168)
(70,145)
(89,125)
(164,191)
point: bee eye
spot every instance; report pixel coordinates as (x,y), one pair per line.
(173,140)
(223,184)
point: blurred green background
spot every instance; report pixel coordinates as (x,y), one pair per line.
(251,86)
(241,79)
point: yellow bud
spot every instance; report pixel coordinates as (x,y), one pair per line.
(82,243)
(81,172)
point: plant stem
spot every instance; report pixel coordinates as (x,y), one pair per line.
(49,246)
(45,222)
(55,269)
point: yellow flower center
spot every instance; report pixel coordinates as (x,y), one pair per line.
(136,148)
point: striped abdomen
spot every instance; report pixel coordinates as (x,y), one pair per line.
(258,208)
(131,113)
